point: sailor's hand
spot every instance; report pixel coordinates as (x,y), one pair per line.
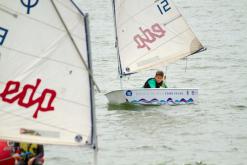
(30,161)
(16,156)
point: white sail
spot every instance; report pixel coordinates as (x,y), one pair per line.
(45,87)
(151,33)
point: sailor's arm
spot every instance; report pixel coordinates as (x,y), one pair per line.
(164,85)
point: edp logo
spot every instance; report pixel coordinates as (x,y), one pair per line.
(149,35)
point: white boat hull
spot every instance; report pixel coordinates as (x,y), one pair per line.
(151,96)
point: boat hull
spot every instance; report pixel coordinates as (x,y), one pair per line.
(154,96)
(5,154)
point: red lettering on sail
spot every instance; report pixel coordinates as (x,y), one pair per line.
(149,36)
(10,95)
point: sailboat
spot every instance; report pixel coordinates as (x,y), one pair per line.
(46,82)
(5,153)
(149,34)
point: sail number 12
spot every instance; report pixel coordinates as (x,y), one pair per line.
(163,6)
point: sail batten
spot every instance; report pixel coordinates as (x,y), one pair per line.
(150,33)
(45,88)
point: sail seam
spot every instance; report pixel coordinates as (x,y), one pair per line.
(8,12)
(35,56)
(50,125)
(39,21)
(135,15)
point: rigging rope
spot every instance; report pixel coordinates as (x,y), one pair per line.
(74,44)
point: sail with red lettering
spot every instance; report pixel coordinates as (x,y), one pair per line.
(151,33)
(46,85)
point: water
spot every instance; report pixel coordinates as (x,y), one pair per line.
(212,132)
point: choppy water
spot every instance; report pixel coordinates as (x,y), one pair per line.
(213,132)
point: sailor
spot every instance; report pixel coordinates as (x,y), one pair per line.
(28,153)
(156,82)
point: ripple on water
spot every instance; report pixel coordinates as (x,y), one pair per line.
(239,107)
(196,163)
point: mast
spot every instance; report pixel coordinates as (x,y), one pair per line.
(116,45)
(93,116)
(91,81)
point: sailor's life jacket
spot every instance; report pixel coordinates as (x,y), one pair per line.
(30,149)
(152,83)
